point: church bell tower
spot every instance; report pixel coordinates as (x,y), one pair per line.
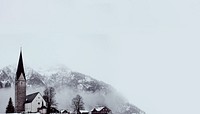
(20,86)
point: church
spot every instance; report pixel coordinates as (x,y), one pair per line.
(31,103)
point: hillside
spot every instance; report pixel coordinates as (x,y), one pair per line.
(68,83)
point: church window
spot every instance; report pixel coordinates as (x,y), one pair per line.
(38,103)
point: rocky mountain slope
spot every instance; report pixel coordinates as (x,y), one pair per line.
(67,81)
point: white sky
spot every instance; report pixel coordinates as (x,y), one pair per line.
(147,49)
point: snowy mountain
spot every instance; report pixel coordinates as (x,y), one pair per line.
(68,83)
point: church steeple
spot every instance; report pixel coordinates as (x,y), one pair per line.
(20,68)
(20,86)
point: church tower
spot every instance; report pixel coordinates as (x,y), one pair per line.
(20,86)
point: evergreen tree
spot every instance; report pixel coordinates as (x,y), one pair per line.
(10,108)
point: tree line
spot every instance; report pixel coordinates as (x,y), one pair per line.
(49,97)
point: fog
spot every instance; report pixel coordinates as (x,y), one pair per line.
(64,96)
(147,49)
(5,95)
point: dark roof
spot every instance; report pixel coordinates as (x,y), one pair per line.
(30,97)
(53,110)
(20,68)
(43,107)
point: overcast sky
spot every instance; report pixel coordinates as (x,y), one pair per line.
(147,49)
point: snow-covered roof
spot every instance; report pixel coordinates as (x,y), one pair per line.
(62,111)
(83,111)
(99,108)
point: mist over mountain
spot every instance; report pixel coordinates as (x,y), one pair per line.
(67,84)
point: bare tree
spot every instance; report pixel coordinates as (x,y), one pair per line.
(49,97)
(77,103)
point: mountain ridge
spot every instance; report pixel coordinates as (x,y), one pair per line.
(63,77)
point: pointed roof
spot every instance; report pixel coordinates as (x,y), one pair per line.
(43,107)
(20,68)
(99,108)
(30,97)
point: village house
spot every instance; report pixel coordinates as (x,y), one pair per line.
(64,112)
(101,110)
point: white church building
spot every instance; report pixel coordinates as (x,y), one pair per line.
(34,102)
(31,103)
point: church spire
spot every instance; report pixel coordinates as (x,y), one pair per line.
(20,68)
